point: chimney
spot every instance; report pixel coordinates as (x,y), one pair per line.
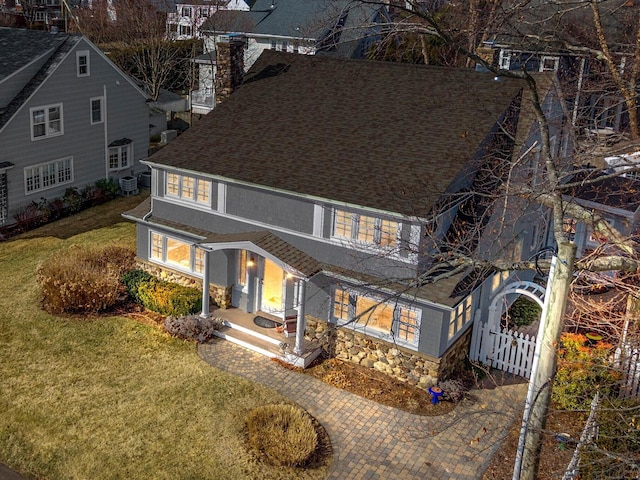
(229,66)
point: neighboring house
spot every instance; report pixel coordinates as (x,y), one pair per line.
(341,28)
(189,15)
(524,42)
(327,210)
(617,199)
(68,117)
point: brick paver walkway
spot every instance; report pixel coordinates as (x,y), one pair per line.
(372,441)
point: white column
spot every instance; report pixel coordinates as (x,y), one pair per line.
(205,285)
(301,323)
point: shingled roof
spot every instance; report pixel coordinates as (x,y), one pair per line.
(379,135)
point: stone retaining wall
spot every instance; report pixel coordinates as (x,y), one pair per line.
(403,364)
(221,295)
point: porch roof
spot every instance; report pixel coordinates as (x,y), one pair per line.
(267,241)
(445,292)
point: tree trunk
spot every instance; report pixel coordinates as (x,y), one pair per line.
(543,377)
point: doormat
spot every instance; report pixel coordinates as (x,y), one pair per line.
(264,322)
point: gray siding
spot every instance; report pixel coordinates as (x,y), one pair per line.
(270,207)
(321,250)
(126,116)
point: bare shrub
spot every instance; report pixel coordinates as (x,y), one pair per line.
(83,279)
(453,390)
(193,327)
(283,434)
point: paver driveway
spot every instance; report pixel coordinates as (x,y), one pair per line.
(372,441)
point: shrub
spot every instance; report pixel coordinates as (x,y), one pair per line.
(83,279)
(523,312)
(193,327)
(29,216)
(169,298)
(133,279)
(73,200)
(618,437)
(582,370)
(155,138)
(453,390)
(109,186)
(283,434)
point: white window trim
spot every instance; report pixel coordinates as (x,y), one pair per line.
(91,100)
(318,220)
(188,200)
(354,241)
(83,53)
(163,261)
(46,121)
(556,63)
(392,336)
(129,148)
(56,183)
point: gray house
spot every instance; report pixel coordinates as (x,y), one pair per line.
(322,193)
(68,117)
(340,28)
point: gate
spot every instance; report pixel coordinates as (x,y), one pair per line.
(500,348)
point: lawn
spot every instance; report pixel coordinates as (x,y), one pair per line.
(107,397)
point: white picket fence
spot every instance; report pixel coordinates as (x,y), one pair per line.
(627,360)
(507,350)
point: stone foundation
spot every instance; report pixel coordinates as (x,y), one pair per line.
(400,363)
(221,295)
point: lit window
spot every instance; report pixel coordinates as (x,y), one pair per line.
(120,154)
(460,316)
(198,263)
(188,188)
(47,175)
(408,325)
(82,63)
(242,268)
(46,121)
(341,305)
(96,110)
(178,253)
(373,314)
(390,321)
(569,228)
(365,229)
(156,246)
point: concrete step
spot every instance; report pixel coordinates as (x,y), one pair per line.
(255,342)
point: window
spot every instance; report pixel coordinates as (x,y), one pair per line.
(189,188)
(46,121)
(569,228)
(285,45)
(504,60)
(176,253)
(96,110)
(549,64)
(186,11)
(204,12)
(185,30)
(48,175)
(82,63)
(296,46)
(389,321)
(274,44)
(241,280)
(365,229)
(460,317)
(120,154)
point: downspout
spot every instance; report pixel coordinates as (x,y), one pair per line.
(106,141)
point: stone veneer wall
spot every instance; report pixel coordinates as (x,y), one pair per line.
(221,295)
(401,363)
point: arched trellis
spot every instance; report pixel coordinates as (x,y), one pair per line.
(529,289)
(500,348)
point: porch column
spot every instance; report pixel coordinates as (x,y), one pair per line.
(205,285)
(301,323)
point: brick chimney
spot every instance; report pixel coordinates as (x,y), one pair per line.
(229,66)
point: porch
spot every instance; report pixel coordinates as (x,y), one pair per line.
(240,328)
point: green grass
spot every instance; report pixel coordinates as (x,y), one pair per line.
(109,398)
